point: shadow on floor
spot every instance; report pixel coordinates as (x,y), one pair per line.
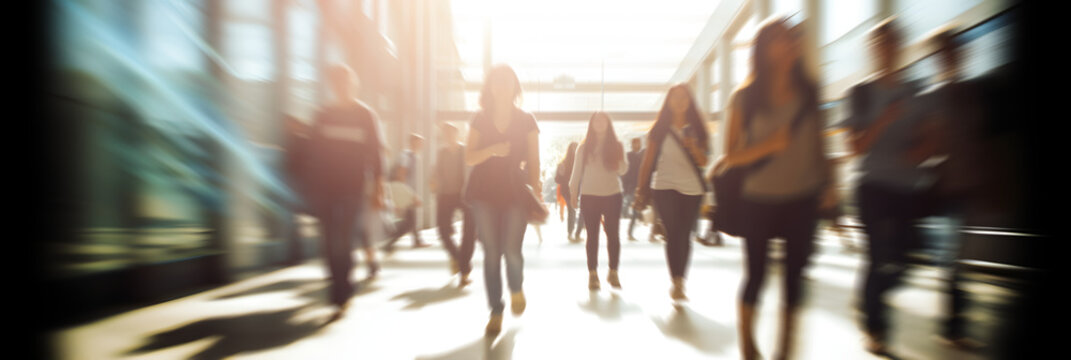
(608,309)
(488,348)
(309,286)
(696,330)
(423,297)
(312,289)
(237,334)
(913,336)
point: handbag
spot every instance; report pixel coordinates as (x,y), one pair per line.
(728,186)
(536,212)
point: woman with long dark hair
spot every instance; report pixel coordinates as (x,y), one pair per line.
(774,130)
(596,181)
(561,177)
(503,149)
(671,177)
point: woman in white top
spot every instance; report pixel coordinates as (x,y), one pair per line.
(670,175)
(596,180)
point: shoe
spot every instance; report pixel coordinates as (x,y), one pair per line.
(631,238)
(874,346)
(373,269)
(420,244)
(463,281)
(613,280)
(340,311)
(517,303)
(677,293)
(494,325)
(593,281)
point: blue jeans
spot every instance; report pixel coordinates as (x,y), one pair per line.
(501,231)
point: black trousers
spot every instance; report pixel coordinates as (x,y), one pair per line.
(407,224)
(795,222)
(889,217)
(446,206)
(678,213)
(337,223)
(606,210)
(631,213)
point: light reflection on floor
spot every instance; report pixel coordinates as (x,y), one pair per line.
(414,311)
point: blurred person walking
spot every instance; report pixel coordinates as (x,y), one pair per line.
(408,161)
(628,183)
(501,138)
(883,126)
(596,184)
(561,177)
(342,153)
(404,200)
(954,131)
(775,133)
(670,177)
(447,183)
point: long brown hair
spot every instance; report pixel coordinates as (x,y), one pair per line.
(758,82)
(612,150)
(665,118)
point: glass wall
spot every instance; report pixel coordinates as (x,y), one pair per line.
(172,130)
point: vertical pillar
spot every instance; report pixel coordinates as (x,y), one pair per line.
(761,9)
(215,213)
(487,37)
(701,86)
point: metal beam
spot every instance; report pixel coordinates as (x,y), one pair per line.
(557,115)
(716,26)
(583,87)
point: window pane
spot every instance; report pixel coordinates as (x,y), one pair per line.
(593,41)
(917,17)
(171,32)
(248,48)
(787,7)
(249,9)
(843,16)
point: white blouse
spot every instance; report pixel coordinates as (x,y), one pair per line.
(674,170)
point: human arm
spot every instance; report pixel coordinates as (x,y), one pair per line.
(829,197)
(622,166)
(862,138)
(929,136)
(736,152)
(532,163)
(475,157)
(577,173)
(376,163)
